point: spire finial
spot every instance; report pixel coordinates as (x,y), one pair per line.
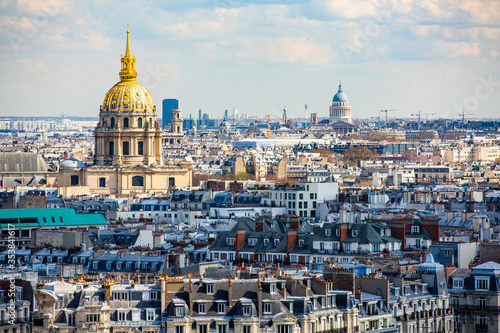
(340,86)
(127,49)
(128,72)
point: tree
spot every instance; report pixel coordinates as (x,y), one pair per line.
(356,154)
(242,175)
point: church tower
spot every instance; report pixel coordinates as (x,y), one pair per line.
(128,132)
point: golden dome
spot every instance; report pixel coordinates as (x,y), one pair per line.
(128,94)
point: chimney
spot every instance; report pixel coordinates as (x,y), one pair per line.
(259,299)
(240,239)
(295,223)
(230,292)
(191,298)
(344,232)
(291,239)
(107,291)
(259,224)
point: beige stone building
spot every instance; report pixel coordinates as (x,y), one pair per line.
(128,148)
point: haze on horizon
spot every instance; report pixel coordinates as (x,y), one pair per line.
(62,56)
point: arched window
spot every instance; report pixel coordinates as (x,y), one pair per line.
(125,122)
(139,122)
(150,122)
(112,122)
(137,181)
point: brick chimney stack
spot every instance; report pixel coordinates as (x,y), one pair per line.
(240,239)
(259,224)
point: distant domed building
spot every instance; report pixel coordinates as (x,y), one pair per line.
(340,110)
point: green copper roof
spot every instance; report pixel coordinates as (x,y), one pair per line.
(48,218)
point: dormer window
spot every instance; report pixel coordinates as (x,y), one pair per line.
(328,232)
(210,288)
(458,283)
(424,288)
(272,288)
(266,241)
(247,310)
(179,311)
(482,283)
(388,232)
(267,308)
(276,242)
(337,232)
(415,229)
(301,242)
(230,241)
(221,307)
(252,241)
(354,233)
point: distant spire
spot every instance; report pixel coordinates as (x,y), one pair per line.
(340,86)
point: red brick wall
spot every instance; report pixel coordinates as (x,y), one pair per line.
(240,238)
(344,232)
(291,238)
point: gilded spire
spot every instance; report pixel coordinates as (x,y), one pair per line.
(127,49)
(128,72)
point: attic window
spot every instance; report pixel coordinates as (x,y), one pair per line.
(337,232)
(415,229)
(424,288)
(272,288)
(328,232)
(458,283)
(266,241)
(210,288)
(252,241)
(354,233)
(230,241)
(276,242)
(301,242)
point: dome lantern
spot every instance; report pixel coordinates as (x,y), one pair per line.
(127,72)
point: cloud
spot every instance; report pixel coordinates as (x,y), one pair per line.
(32,65)
(287,50)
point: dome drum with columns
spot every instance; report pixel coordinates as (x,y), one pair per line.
(340,110)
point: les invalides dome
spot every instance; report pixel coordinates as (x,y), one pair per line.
(128,132)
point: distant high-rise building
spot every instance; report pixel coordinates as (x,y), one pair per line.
(199,117)
(225,114)
(235,114)
(168,106)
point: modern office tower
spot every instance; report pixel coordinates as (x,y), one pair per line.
(225,114)
(168,106)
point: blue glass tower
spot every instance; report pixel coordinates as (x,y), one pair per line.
(168,105)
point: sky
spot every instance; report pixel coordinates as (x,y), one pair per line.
(437,57)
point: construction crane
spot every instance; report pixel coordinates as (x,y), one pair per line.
(463,114)
(377,118)
(421,114)
(386,111)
